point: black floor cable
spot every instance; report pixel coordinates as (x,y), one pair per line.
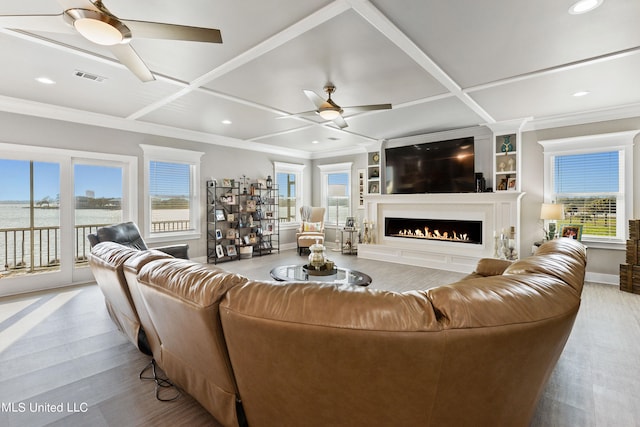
(160,382)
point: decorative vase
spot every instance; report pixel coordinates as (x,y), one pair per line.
(317,256)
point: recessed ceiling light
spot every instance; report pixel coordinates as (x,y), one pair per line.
(581,93)
(584,6)
(315,142)
(45,80)
(226,122)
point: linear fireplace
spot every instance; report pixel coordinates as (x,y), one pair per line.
(450,230)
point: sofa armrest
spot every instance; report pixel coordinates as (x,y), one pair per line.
(176,251)
(491,267)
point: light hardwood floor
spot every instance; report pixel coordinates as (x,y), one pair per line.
(61,349)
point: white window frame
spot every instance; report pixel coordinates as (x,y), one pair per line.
(325,170)
(619,141)
(154,153)
(297,170)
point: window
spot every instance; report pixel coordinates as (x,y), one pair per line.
(289,182)
(336,192)
(587,175)
(172,202)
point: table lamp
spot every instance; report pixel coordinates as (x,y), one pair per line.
(551,212)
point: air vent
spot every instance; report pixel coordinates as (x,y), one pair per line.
(89,76)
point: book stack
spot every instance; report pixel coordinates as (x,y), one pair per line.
(630,272)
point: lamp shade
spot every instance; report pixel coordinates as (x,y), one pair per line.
(552,211)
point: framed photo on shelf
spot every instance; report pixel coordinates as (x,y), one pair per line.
(269,228)
(373,187)
(231,233)
(572,231)
(231,250)
(220,215)
(231,217)
(253,238)
(502,186)
(511,184)
(227,182)
(218,234)
(268,214)
(350,223)
(251,205)
(219,251)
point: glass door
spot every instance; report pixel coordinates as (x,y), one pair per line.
(29,218)
(98,201)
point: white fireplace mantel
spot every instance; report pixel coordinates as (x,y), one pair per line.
(499,212)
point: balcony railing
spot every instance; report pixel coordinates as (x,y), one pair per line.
(29,250)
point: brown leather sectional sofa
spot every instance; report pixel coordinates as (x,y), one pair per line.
(477,352)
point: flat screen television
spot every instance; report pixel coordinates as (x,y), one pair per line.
(432,167)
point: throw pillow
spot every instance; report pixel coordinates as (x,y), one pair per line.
(312,226)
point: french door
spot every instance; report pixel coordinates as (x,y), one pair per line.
(50,200)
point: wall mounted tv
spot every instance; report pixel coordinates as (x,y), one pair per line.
(433,167)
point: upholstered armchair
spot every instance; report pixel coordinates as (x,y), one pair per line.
(128,234)
(311,227)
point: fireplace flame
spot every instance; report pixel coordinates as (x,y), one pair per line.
(426,233)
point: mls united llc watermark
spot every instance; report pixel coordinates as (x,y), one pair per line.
(46,407)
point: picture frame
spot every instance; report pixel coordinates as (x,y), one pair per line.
(218,234)
(350,223)
(373,187)
(231,233)
(572,231)
(511,184)
(220,215)
(227,182)
(231,250)
(268,214)
(251,205)
(253,238)
(269,229)
(219,251)
(502,186)
(231,217)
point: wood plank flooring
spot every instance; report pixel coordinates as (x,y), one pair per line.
(60,350)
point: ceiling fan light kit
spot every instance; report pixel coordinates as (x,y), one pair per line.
(98,27)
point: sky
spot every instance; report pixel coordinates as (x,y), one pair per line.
(104,181)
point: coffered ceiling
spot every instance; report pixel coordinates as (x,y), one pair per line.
(442,64)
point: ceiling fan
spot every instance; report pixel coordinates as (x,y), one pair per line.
(95,23)
(329,110)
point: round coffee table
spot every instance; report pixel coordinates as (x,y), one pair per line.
(297,273)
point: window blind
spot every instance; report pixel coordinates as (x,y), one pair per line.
(589,187)
(170,193)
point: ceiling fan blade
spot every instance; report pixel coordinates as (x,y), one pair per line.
(46,23)
(157,30)
(372,107)
(314,98)
(340,122)
(130,59)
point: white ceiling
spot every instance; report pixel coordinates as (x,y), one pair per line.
(442,64)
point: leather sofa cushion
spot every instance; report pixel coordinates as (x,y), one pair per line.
(332,306)
(197,283)
(533,289)
(563,258)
